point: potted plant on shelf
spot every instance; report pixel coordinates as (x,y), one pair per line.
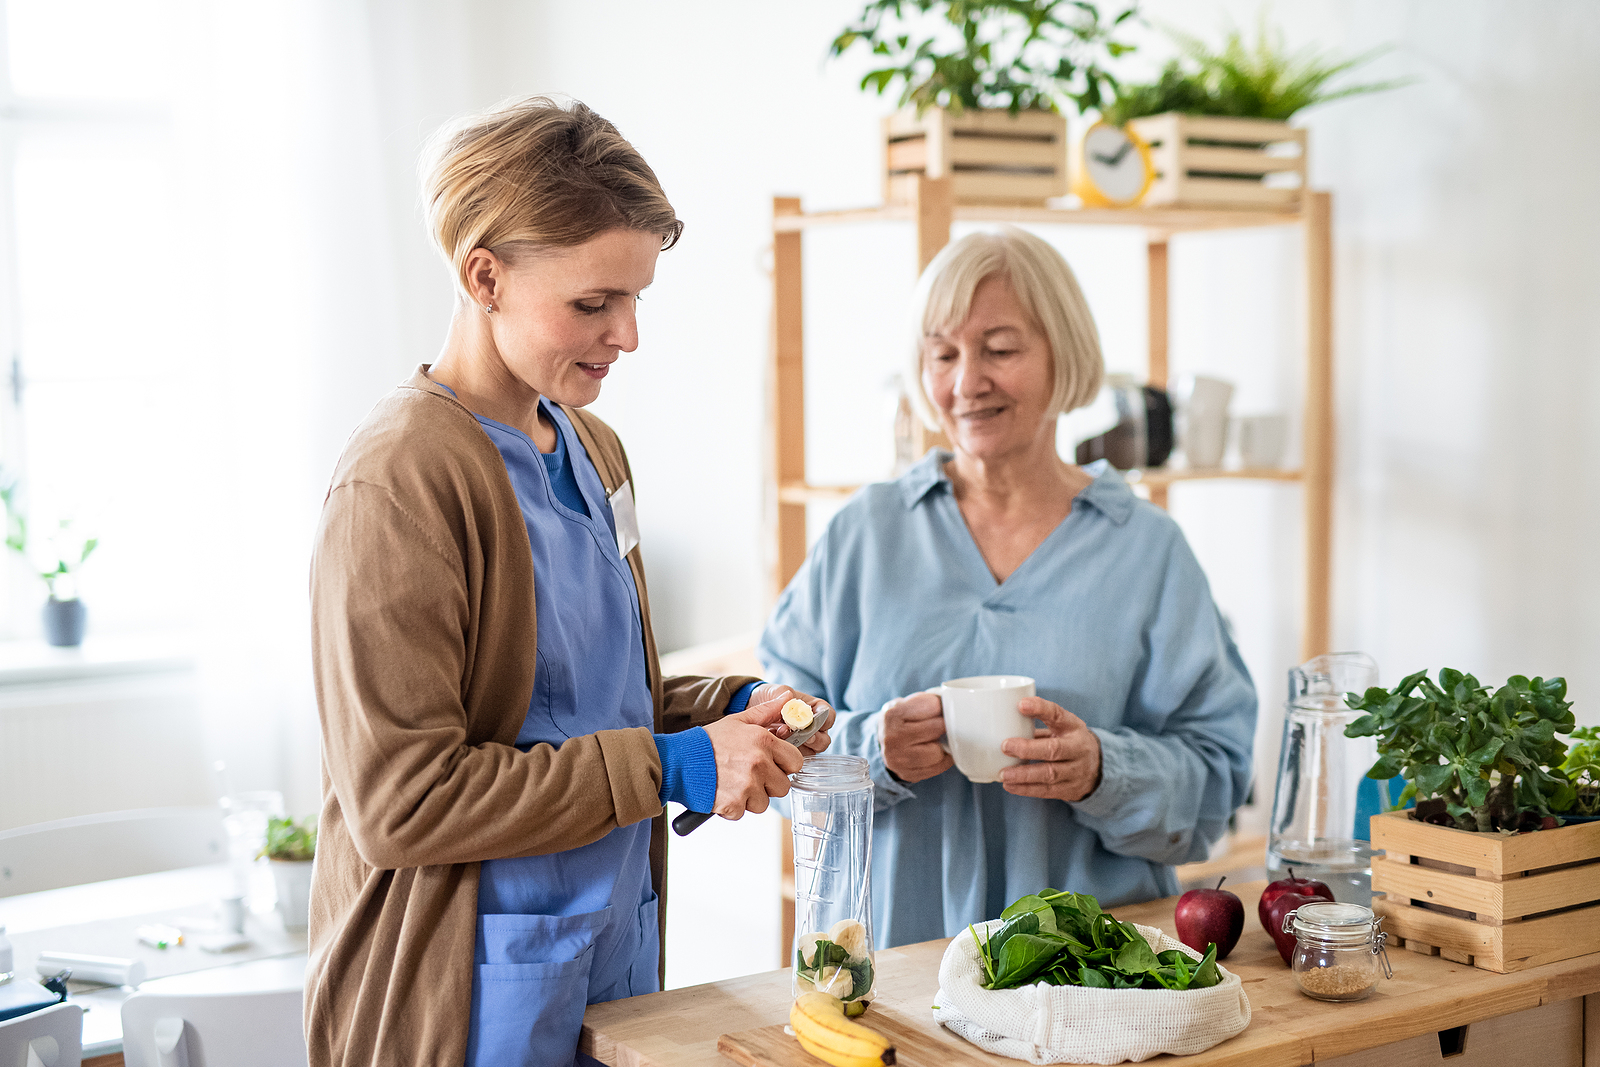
(1216,121)
(1465,875)
(292,848)
(982,84)
(57,558)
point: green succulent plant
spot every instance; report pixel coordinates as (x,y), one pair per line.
(1492,759)
(290,840)
(1263,80)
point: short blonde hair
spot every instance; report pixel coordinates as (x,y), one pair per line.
(1047,290)
(534,173)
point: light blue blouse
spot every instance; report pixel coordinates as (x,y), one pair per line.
(1113,619)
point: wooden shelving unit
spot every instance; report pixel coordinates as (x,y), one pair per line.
(932,210)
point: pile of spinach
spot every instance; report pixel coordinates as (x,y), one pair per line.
(829,954)
(1062,938)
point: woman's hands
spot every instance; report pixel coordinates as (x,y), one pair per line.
(753,760)
(1066,754)
(912,727)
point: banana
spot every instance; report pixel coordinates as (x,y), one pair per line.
(818,1021)
(838,981)
(851,936)
(797,714)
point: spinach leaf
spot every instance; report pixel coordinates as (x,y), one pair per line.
(1135,957)
(1092,978)
(1036,905)
(1023,956)
(1024,923)
(862,969)
(1206,975)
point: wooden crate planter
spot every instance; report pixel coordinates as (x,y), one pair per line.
(1208,162)
(991,156)
(1502,903)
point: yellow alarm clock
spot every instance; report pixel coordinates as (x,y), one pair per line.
(1111,167)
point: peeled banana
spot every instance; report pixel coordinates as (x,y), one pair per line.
(819,1022)
(798,714)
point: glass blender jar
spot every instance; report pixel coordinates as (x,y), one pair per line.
(831,806)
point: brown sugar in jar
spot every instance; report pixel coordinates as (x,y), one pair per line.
(1337,950)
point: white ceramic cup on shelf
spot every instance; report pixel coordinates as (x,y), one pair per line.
(979,714)
(1262,439)
(1203,414)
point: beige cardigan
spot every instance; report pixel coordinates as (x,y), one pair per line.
(422,642)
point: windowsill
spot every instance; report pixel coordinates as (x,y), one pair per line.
(34,662)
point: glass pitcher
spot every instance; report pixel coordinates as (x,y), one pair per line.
(1320,772)
(831,802)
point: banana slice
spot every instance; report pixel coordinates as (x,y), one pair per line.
(851,936)
(807,948)
(797,714)
(836,981)
(803,983)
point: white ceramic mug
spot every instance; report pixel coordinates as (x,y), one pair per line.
(1262,439)
(1203,411)
(979,714)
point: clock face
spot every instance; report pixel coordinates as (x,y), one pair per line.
(1114,163)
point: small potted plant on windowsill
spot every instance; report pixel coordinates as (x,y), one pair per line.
(57,557)
(292,848)
(982,85)
(1464,876)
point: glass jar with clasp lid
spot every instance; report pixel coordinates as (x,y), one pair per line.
(1337,950)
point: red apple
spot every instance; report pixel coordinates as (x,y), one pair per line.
(1273,920)
(1306,887)
(1210,916)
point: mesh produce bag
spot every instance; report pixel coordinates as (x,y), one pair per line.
(1072,1024)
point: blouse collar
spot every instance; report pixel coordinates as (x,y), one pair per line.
(1108,493)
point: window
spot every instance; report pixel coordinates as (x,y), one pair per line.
(99,366)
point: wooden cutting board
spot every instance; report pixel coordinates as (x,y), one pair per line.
(915,1046)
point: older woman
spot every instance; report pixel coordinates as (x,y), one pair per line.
(498,741)
(1003,559)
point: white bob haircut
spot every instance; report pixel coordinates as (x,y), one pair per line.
(1047,290)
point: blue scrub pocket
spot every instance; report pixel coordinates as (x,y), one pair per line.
(646,977)
(529,990)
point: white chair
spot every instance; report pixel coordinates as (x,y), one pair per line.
(250,1016)
(49,1037)
(118,844)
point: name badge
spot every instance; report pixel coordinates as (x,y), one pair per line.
(626,518)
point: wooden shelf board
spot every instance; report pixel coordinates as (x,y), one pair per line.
(1167,220)
(801,493)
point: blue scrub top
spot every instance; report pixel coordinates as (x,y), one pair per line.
(579,927)
(1113,619)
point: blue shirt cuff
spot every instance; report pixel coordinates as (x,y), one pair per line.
(688,768)
(741,699)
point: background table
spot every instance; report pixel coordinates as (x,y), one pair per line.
(1537,1015)
(100,919)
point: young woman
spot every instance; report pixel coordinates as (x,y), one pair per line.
(498,741)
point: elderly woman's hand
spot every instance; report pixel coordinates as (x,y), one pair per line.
(1066,755)
(767,692)
(912,727)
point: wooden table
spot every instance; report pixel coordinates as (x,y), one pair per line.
(100,919)
(1536,1016)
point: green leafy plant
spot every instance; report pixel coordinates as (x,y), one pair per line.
(1484,760)
(290,840)
(1582,768)
(1264,80)
(1062,938)
(1012,54)
(56,556)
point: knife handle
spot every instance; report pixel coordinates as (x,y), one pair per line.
(688,822)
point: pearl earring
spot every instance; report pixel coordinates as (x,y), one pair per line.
(488,308)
